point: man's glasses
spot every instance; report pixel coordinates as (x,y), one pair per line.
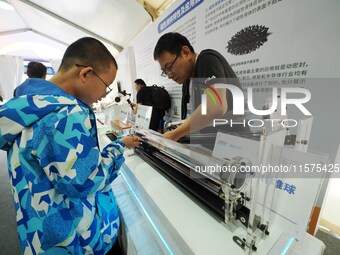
(169,70)
(108,89)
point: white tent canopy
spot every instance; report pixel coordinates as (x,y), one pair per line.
(43,29)
(38,29)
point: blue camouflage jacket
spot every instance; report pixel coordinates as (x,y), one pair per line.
(60,179)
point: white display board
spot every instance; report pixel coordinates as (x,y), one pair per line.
(293,42)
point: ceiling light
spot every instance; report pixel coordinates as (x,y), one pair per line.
(6,6)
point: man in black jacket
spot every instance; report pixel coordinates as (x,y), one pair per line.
(180,62)
(145,97)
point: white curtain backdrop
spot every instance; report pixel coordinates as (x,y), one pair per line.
(11,72)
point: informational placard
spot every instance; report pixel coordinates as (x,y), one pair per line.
(291,203)
(230,146)
(143,116)
(125,112)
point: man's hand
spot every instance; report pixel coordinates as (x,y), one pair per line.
(131,141)
(173,135)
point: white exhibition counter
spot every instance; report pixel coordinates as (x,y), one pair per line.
(160,218)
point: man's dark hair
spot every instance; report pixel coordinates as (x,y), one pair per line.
(140,82)
(171,42)
(90,52)
(36,70)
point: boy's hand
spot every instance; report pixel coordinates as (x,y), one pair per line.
(131,141)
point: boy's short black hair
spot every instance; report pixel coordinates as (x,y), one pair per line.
(90,52)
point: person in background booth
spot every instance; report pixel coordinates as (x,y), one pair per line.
(179,62)
(34,70)
(145,97)
(61,181)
